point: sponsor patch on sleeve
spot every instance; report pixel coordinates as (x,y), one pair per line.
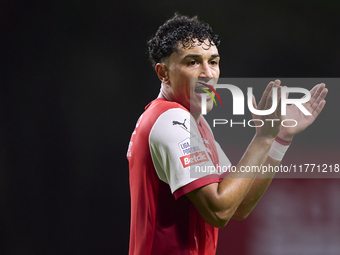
(185,148)
(194,158)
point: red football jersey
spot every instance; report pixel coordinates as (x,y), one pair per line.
(167,155)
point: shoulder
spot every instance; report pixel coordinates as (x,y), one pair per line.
(172,124)
(162,113)
(162,119)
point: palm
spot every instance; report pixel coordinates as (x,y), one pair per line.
(314,106)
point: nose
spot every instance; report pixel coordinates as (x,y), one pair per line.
(206,71)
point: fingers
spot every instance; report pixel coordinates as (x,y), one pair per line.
(319,108)
(267,97)
(320,102)
(318,93)
(312,91)
(269,103)
(254,102)
(278,108)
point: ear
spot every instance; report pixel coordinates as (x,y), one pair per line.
(162,73)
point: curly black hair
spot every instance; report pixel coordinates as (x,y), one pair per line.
(179,29)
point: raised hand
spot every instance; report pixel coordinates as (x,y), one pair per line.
(269,128)
(314,106)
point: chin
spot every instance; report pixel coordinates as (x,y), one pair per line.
(196,108)
(210,106)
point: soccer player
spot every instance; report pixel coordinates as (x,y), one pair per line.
(173,212)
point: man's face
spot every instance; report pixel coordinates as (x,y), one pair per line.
(201,65)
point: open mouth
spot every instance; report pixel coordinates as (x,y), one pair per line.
(201,90)
(207,89)
(204,88)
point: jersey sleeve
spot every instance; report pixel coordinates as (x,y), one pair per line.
(177,151)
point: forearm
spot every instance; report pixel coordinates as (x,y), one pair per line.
(234,188)
(218,202)
(260,185)
(263,179)
(315,106)
(236,195)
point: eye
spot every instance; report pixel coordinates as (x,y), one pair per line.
(214,62)
(192,63)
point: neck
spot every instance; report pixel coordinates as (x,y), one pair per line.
(162,94)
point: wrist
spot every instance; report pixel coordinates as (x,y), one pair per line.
(284,136)
(264,140)
(285,142)
(279,148)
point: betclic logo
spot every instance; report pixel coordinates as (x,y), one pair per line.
(194,158)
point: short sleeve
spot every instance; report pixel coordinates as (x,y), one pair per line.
(177,149)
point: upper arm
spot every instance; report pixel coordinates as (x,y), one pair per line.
(171,148)
(208,203)
(171,145)
(218,202)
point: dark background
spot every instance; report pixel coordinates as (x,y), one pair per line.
(74,77)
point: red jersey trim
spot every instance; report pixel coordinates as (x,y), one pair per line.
(282,142)
(196,184)
(223,175)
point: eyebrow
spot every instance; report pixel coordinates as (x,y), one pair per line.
(199,56)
